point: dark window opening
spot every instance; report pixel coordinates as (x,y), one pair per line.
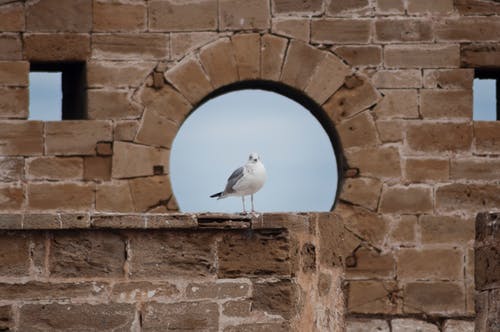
(65,82)
(486,90)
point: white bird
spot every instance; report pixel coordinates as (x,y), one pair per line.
(246,180)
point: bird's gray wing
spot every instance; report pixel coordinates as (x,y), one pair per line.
(233,179)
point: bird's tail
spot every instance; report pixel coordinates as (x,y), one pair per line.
(218,195)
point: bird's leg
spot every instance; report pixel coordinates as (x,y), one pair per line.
(251,198)
(243,201)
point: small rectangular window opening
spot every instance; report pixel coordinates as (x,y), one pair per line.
(486,90)
(57,91)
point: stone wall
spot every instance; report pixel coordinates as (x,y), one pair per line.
(392,84)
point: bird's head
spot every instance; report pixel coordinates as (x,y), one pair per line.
(254,157)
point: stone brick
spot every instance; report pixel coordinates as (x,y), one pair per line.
(452,325)
(11,169)
(406,30)
(12,17)
(118,221)
(218,60)
(237,308)
(129,46)
(114,197)
(60,196)
(259,327)
(10,47)
(486,137)
(398,79)
(334,244)
(117,74)
(156,129)
(244,14)
(340,31)
(362,191)
(41,221)
(328,77)
(296,28)
(56,47)
(306,6)
(422,56)
(125,130)
(145,157)
(426,169)
(76,317)
(487,267)
(21,138)
(190,79)
(54,16)
(389,7)
(390,131)
(86,254)
(378,162)
(14,103)
(150,192)
(54,168)
(362,325)
(75,221)
(247,55)
(472,197)
(219,290)
(449,104)
(14,255)
(188,254)
(189,316)
(349,8)
(429,264)
(369,56)
(480,55)
(370,264)
(167,103)
(75,137)
(115,16)
(271,254)
(370,297)
(143,291)
(475,169)
(446,229)
(404,230)
(14,73)
(449,79)
(412,325)
(398,104)
(358,131)
(456,29)
(430,6)
(442,298)
(6,318)
(174,15)
(477,7)
(439,137)
(411,199)
(272,55)
(97,168)
(39,291)
(184,43)
(277,297)
(300,63)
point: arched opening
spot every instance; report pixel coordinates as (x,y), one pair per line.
(295,139)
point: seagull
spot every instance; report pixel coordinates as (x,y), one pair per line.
(246,180)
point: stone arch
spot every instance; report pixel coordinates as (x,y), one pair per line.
(340,97)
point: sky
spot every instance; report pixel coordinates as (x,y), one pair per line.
(218,137)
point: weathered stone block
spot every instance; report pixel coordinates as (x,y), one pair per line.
(278,298)
(36,290)
(54,168)
(76,317)
(389,7)
(480,55)
(11,169)
(116,16)
(439,137)
(190,79)
(390,131)
(60,196)
(349,8)
(443,298)
(430,264)
(371,297)
(487,267)
(97,168)
(56,16)
(75,137)
(474,197)
(114,197)
(246,49)
(128,46)
(183,43)
(447,104)
(486,137)
(301,61)
(188,254)
(411,199)
(378,162)
(156,129)
(272,55)
(422,56)
(222,289)
(143,291)
(14,255)
(430,6)
(452,325)
(21,138)
(477,7)
(237,308)
(174,15)
(405,230)
(146,158)
(398,104)
(219,62)
(370,264)
(244,14)
(150,192)
(446,229)
(306,6)
(109,104)
(362,325)
(296,28)
(448,78)
(427,169)
(410,324)
(86,254)
(358,131)
(456,29)
(12,17)
(259,327)
(398,79)
(125,130)
(333,240)
(14,103)
(189,316)
(14,73)
(56,47)
(360,56)
(340,31)
(362,191)
(271,252)
(475,169)
(11,47)
(117,74)
(407,30)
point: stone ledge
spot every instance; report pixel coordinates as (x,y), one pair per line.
(51,221)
